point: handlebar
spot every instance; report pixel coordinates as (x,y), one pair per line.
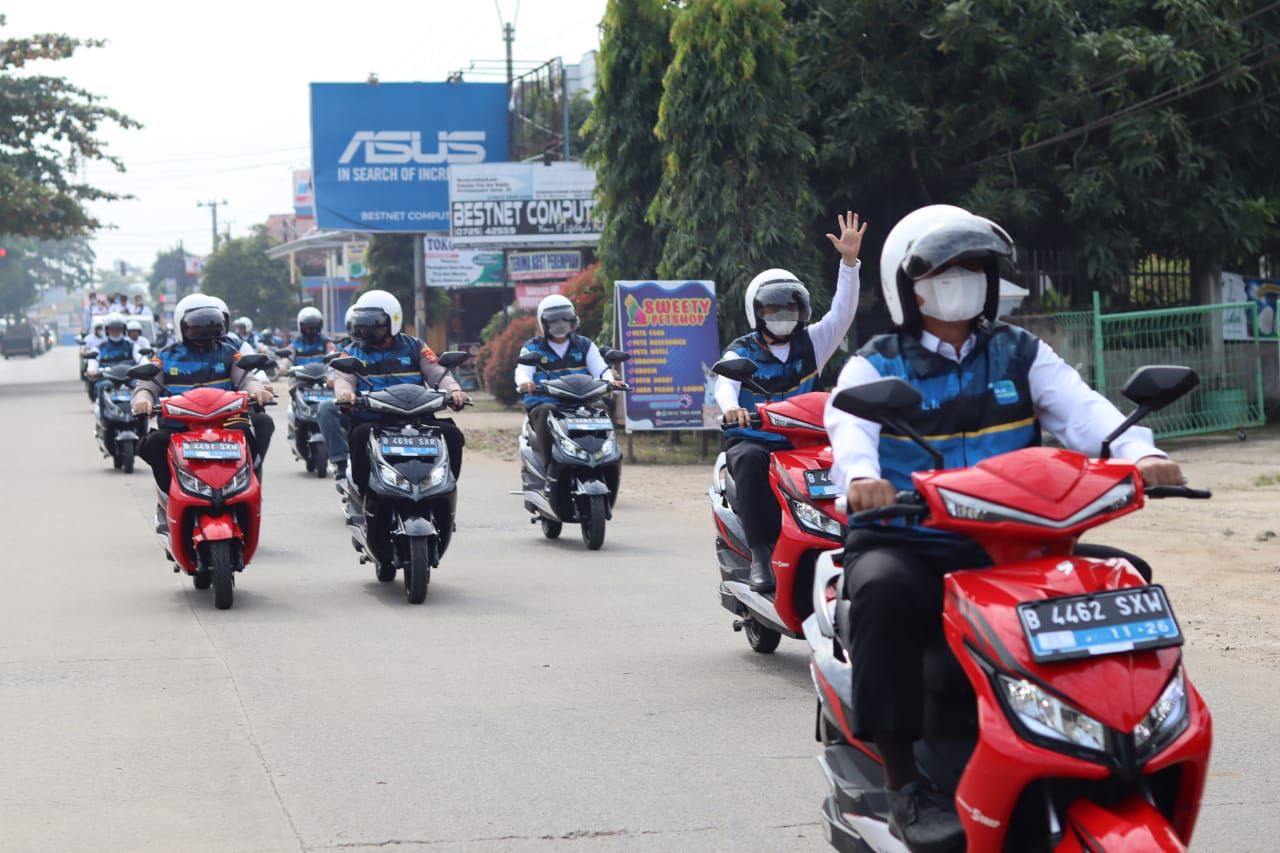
(755,421)
(909,504)
(1178,492)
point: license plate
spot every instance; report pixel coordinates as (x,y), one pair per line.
(121,398)
(588,424)
(317,397)
(408,445)
(210,450)
(1105,623)
(820,485)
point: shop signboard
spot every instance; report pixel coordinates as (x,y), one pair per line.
(522,204)
(448,266)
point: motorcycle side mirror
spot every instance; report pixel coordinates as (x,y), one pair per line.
(257,361)
(615,356)
(93,353)
(887,402)
(1152,388)
(453,358)
(144,372)
(80,338)
(347,364)
(284,353)
(739,370)
(329,357)
(146,351)
(529,359)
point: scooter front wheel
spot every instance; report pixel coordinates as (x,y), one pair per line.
(417,575)
(125,453)
(320,460)
(593,524)
(221,567)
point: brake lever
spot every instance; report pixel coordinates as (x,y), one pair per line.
(1178,492)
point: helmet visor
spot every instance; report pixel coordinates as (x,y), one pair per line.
(956,242)
(559,321)
(370,324)
(203,325)
(311,327)
(782,300)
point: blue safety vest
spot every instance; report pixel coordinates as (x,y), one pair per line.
(183,368)
(574,361)
(973,410)
(309,351)
(398,364)
(797,375)
(115,352)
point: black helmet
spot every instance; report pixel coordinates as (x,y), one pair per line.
(202,326)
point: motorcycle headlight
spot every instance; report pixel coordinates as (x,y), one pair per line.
(392,477)
(607,449)
(571,448)
(815,520)
(1165,720)
(238,483)
(438,475)
(1050,717)
(110,408)
(193,484)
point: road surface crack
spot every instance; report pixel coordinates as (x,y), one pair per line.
(574,835)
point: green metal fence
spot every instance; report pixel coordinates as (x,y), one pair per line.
(1107,348)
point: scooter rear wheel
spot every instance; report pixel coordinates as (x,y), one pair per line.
(551,529)
(763,640)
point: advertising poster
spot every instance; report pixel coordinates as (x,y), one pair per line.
(447,266)
(522,204)
(1235,321)
(380,154)
(540,266)
(529,295)
(670,330)
(304,199)
(1265,292)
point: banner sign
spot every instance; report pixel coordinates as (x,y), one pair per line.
(304,198)
(522,204)
(353,258)
(529,295)
(450,267)
(380,154)
(536,266)
(670,330)
(1265,292)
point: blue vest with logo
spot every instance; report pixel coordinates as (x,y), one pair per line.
(797,375)
(971,411)
(309,351)
(574,361)
(398,364)
(115,352)
(183,368)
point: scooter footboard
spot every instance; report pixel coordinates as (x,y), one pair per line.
(1131,824)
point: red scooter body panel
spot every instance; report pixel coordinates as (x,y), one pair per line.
(205,411)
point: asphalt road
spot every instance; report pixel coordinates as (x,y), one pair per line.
(544,697)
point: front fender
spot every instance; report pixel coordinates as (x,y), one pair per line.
(591,487)
(416,526)
(214,528)
(1132,824)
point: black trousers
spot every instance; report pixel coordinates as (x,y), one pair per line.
(748,462)
(358,439)
(538,416)
(263,428)
(894,584)
(154,448)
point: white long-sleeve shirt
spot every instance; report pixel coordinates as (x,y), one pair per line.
(596,364)
(826,334)
(1068,409)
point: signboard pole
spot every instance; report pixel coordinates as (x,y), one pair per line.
(420,286)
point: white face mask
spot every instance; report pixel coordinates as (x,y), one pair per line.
(116,338)
(956,294)
(781,328)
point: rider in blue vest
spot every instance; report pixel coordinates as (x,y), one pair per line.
(988,389)
(310,345)
(200,358)
(114,348)
(563,354)
(788,353)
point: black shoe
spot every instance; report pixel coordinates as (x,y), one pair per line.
(761,576)
(924,819)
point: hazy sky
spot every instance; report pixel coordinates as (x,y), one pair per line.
(221,89)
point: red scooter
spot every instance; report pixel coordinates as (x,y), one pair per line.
(1062,718)
(800,478)
(214,504)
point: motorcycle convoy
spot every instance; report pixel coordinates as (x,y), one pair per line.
(1058,716)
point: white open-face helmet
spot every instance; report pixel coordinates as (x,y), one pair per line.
(199,319)
(116,322)
(133,326)
(242,325)
(928,240)
(310,321)
(346,320)
(373,313)
(777,290)
(556,316)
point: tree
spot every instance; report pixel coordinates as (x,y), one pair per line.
(1112,130)
(252,284)
(169,263)
(390,259)
(734,197)
(634,53)
(48,130)
(29,267)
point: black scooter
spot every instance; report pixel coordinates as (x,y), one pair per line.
(411,493)
(308,391)
(585,449)
(117,429)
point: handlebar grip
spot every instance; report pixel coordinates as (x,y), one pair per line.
(880,513)
(754,421)
(1178,492)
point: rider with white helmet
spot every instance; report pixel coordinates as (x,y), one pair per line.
(789,353)
(201,357)
(991,388)
(563,354)
(133,331)
(310,344)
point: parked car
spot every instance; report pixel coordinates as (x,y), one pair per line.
(22,339)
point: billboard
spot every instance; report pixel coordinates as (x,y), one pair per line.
(304,198)
(522,204)
(529,295)
(381,153)
(447,266)
(670,330)
(1265,293)
(541,266)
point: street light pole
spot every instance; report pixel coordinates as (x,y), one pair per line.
(213,211)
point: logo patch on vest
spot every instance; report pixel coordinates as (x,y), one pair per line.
(1005,391)
(404,359)
(173,371)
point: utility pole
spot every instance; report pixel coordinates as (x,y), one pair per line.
(213,211)
(509,36)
